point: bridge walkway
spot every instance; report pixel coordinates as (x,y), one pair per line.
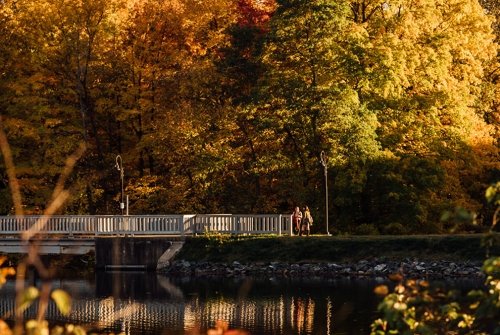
(130,241)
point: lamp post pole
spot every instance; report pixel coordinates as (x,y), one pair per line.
(119,167)
(324,162)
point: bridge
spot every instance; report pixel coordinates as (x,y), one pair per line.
(127,241)
(91,226)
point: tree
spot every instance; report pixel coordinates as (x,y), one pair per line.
(173,106)
(426,63)
(396,84)
(55,87)
(225,106)
(309,104)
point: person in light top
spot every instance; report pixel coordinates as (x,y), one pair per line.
(296,219)
(307,221)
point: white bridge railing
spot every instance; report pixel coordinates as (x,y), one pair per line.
(97,225)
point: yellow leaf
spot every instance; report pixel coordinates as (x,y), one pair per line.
(62,300)
(4,273)
(381,290)
(34,327)
(27,297)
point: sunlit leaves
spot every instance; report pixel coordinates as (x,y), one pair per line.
(68,329)
(206,100)
(4,328)
(381,290)
(62,300)
(5,271)
(26,298)
(417,307)
(493,194)
(303,87)
(492,268)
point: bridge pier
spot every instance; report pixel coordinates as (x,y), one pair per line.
(131,253)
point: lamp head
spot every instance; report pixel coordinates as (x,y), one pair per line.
(323,158)
(118,164)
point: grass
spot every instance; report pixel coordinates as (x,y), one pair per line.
(224,248)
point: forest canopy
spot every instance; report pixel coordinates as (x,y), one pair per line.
(224,106)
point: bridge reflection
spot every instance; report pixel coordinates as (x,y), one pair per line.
(118,303)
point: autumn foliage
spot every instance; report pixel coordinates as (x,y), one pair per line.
(224,106)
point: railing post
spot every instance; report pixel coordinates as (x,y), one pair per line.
(71,228)
(128,229)
(181,225)
(279,225)
(192,225)
(95,223)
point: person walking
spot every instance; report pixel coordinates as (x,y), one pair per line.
(296,219)
(307,221)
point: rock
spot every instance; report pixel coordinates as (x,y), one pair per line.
(364,268)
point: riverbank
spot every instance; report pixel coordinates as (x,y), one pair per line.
(326,256)
(295,249)
(435,256)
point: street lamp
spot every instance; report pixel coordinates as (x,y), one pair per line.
(324,161)
(119,167)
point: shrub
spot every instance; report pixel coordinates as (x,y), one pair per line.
(416,308)
(394,228)
(366,229)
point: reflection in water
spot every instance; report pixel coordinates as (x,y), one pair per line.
(144,303)
(329,313)
(303,315)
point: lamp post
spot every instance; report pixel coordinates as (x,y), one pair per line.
(119,167)
(324,161)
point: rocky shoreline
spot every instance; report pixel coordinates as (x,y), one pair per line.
(409,268)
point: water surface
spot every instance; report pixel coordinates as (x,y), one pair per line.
(151,304)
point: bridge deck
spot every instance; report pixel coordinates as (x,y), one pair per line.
(76,234)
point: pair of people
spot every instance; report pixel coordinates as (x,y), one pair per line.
(302,221)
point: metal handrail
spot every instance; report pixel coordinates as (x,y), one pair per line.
(111,225)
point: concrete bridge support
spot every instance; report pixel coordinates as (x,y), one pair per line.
(135,253)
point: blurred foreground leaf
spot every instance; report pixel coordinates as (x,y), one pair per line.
(4,328)
(62,300)
(27,297)
(34,327)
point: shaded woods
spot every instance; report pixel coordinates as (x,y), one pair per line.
(224,106)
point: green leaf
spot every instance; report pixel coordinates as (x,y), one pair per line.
(493,194)
(62,300)
(491,267)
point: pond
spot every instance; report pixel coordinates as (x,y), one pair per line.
(152,304)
